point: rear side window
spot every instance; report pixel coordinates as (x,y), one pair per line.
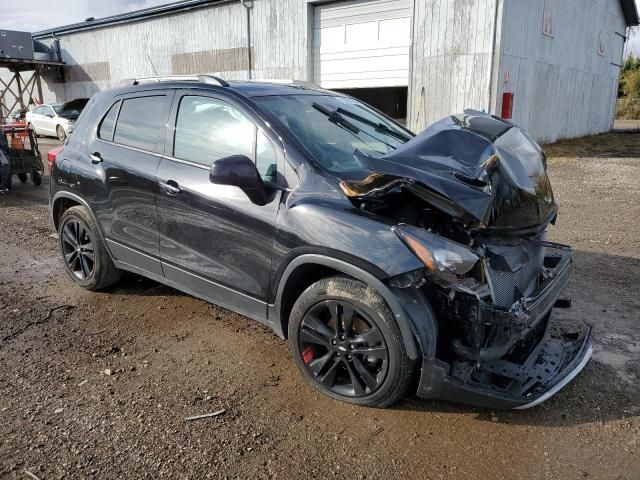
(108,124)
(140,122)
(208,129)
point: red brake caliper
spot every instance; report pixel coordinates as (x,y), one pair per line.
(307,354)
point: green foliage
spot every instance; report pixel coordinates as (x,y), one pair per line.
(631,63)
(631,84)
(630,78)
(628,109)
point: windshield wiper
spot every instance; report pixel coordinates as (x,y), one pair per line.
(379,127)
(334,116)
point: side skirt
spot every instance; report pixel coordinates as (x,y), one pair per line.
(199,287)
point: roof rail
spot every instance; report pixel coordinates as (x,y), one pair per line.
(208,79)
(286,81)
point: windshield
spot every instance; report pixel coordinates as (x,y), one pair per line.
(332,129)
(72,109)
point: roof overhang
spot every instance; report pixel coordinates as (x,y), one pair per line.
(135,16)
(630,11)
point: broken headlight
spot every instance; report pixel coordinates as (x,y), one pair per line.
(445,261)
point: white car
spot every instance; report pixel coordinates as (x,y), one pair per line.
(55,119)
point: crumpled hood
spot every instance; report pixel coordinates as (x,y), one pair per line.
(477,168)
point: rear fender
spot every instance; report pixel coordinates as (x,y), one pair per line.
(59,197)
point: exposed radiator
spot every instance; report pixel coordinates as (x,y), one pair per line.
(507,286)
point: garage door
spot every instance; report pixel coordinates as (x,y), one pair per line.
(362,43)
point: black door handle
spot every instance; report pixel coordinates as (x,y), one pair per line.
(95,157)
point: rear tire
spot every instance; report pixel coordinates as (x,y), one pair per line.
(36,178)
(347,344)
(85,255)
(62,135)
(22,177)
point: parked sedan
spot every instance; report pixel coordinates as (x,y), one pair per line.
(55,119)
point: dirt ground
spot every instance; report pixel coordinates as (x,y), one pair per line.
(98,385)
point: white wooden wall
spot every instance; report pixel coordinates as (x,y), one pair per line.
(565,85)
(146,48)
(451,58)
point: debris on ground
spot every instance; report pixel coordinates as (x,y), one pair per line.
(206,415)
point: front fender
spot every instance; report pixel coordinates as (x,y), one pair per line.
(409,306)
(340,227)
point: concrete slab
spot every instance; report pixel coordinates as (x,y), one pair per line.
(626,126)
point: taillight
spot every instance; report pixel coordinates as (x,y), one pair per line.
(51,156)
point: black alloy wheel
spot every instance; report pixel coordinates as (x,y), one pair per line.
(343,348)
(86,256)
(78,249)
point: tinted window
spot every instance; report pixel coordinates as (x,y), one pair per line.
(140,122)
(208,129)
(266,158)
(38,111)
(105,130)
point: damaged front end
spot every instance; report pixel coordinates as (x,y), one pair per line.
(472,200)
(496,345)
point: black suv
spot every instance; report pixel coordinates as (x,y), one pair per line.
(388,260)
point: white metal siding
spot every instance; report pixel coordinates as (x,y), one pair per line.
(146,48)
(564,85)
(452,53)
(363,43)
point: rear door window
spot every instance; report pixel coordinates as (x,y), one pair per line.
(108,123)
(141,122)
(208,129)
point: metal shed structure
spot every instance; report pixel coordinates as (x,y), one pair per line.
(550,65)
(24,62)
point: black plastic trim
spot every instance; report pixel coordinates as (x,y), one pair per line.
(402,317)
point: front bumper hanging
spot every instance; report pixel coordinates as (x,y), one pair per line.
(529,364)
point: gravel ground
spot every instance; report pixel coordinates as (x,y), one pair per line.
(99,384)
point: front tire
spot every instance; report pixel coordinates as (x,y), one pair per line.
(62,135)
(22,177)
(85,256)
(36,178)
(347,344)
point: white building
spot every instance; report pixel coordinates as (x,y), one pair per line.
(551,65)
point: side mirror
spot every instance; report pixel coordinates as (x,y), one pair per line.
(239,171)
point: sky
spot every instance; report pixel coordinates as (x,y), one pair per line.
(34,15)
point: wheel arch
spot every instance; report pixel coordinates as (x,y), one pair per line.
(64,200)
(416,322)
